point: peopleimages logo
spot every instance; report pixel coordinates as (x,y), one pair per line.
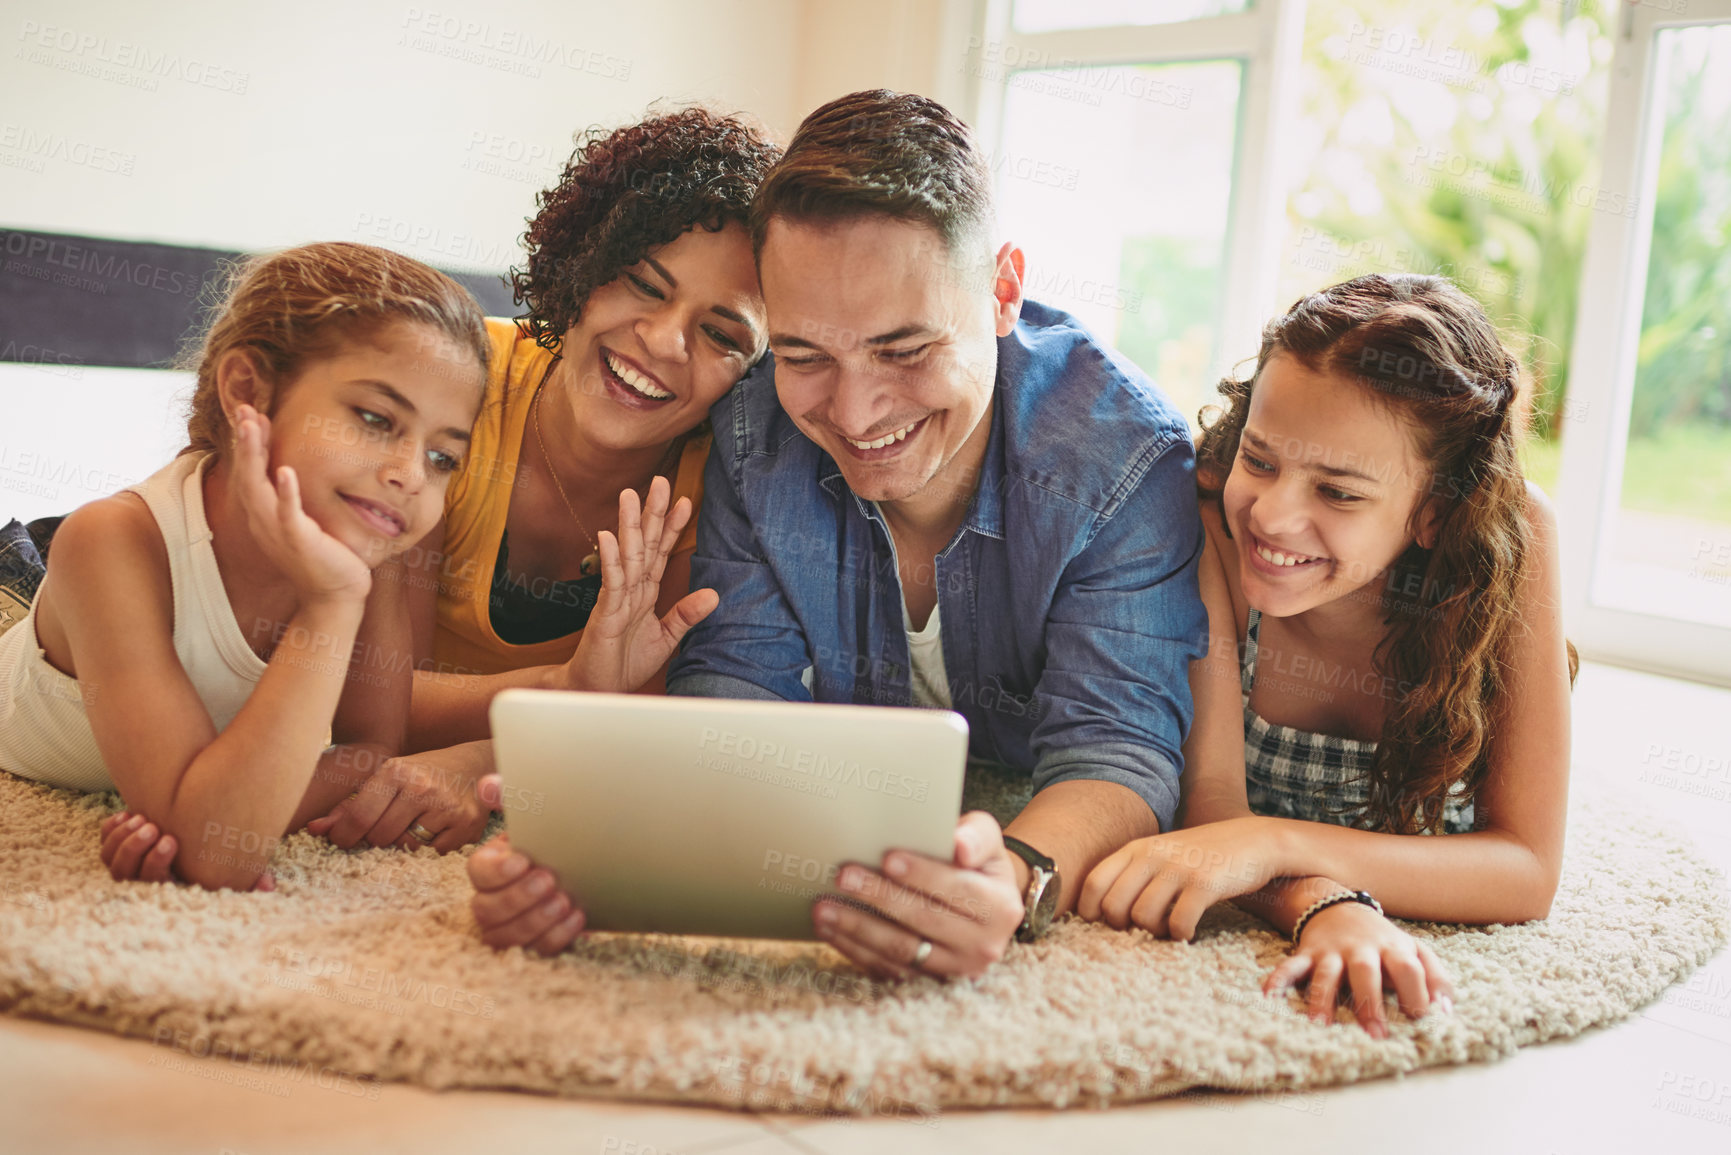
(732,753)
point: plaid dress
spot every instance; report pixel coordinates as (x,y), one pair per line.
(1317,777)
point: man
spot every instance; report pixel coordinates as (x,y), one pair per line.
(937,493)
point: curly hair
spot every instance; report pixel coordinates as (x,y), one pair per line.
(1425,347)
(290,307)
(625,192)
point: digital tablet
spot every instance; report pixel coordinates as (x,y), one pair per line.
(719,816)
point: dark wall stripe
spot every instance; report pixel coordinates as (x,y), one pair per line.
(75,300)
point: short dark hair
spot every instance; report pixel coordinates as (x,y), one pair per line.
(628,190)
(886,153)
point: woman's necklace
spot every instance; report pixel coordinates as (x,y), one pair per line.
(591,564)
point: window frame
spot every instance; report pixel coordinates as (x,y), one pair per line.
(1266,40)
(1602,380)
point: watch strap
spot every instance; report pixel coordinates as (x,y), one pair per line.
(1028,854)
(1042,877)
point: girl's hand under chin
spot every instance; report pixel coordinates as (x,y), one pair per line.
(322,569)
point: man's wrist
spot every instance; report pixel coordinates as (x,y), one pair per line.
(1023,873)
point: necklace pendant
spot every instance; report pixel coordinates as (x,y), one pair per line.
(591,565)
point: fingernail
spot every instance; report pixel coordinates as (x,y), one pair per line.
(1445,1004)
(539,885)
(850,879)
(896,866)
(827,914)
(516,864)
(552,908)
(147,830)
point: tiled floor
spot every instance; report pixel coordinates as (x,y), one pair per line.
(1659,1082)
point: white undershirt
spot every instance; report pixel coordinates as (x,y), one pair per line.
(931,682)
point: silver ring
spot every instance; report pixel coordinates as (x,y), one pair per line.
(421,832)
(922,952)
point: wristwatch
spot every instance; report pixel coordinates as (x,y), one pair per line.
(1040,904)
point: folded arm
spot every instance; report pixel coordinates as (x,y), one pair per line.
(1114,700)
(1505,871)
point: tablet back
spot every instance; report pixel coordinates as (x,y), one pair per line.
(719,816)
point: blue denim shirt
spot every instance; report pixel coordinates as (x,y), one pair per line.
(1068,596)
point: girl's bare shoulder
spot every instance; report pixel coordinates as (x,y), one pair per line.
(118,530)
(1226,553)
(107,559)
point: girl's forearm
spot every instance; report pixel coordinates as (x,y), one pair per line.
(1485,876)
(1283,901)
(239,793)
(450,709)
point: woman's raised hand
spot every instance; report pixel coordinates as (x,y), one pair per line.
(625,642)
(322,568)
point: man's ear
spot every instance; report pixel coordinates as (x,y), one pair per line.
(239,382)
(1007,281)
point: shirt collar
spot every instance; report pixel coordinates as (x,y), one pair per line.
(985,510)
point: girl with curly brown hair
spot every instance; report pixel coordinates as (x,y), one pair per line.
(1387,655)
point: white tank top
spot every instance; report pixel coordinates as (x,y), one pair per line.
(44,732)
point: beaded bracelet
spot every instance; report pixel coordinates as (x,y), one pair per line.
(1334,899)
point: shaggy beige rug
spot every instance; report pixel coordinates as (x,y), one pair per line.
(366,966)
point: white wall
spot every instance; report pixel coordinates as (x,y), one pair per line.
(429,126)
(426,127)
(909,45)
(70,434)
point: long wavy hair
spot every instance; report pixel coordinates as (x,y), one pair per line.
(1430,352)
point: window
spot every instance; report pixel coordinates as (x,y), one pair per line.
(1056,15)
(1646,478)
(1134,164)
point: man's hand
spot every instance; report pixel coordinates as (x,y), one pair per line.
(517,903)
(967,908)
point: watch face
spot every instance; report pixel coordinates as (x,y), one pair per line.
(1045,907)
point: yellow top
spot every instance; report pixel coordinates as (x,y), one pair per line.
(478,499)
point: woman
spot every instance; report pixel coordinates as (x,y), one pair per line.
(643,308)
